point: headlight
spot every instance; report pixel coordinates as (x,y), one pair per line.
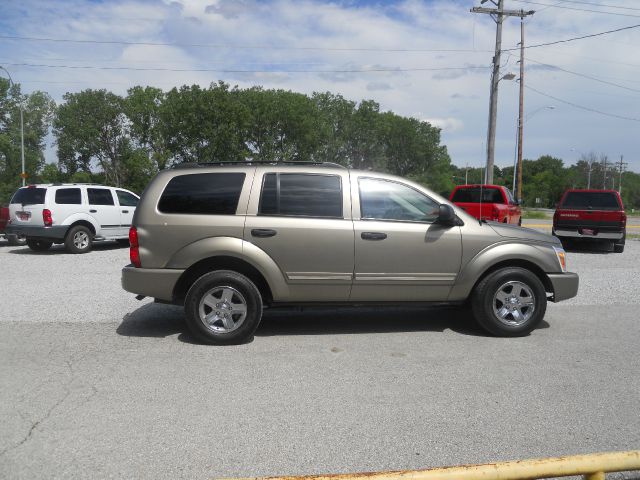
(562,258)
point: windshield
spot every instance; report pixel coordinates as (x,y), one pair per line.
(591,200)
(29,196)
(472,195)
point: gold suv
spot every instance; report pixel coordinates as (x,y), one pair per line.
(226,240)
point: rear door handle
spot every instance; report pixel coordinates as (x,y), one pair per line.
(263,232)
(125,211)
(373,235)
(93,211)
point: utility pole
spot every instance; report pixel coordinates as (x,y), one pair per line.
(466,174)
(520,110)
(497,14)
(621,168)
(604,173)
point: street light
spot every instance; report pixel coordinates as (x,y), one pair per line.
(517,162)
(23,174)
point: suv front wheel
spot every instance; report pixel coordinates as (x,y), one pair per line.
(509,302)
(223,308)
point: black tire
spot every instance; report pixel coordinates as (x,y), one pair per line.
(483,299)
(619,247)
(38,245)
(217,286)
(79,239)
(123,242)
(16,240)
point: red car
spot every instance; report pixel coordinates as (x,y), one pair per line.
(498,203)
(591,215)
(4,220)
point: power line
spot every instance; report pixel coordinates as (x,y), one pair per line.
(241,47)
(595,79)
(582,107)
(218,70)
(599,5)
(575,38)
(578,9)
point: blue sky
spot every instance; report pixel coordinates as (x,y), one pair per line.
(426,59)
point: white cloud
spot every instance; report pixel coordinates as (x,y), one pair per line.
(245,33)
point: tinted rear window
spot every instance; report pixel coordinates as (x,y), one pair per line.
(593,200)
(472,195)
(301,195)
(203,193)
(100,196)
(68,196)
(29,196)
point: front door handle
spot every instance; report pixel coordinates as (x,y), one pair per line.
(373,235)
(263,232)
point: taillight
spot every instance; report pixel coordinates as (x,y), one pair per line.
(46,217)
(623,220)
(134,247)
(496,214)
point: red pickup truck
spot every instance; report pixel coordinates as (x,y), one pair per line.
(4,220)
(591,215)
(498,203)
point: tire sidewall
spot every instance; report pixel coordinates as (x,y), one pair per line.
(483,301)
(38,245)
(70,246)
(249,291)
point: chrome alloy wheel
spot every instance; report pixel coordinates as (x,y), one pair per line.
(222,309)
(81,240)
(514,303)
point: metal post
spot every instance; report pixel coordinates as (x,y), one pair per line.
(521,110)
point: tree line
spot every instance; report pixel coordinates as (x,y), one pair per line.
(106,138)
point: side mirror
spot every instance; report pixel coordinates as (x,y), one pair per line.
(446,215)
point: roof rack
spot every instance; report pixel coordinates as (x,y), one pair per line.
(253,163)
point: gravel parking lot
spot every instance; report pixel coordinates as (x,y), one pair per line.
(98,385)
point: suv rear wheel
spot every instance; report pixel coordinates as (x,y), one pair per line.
(509,302)
(78,239)
(38,245)
(223,308)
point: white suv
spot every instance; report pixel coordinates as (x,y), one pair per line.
(73,214)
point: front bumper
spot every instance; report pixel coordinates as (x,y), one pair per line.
(151,282)
(565,285)
(55,233)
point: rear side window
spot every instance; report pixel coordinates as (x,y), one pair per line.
(68,196)
(203,194)
(100,196)
(301,195)
(29,196)
(591,200)
(126,199)
(472,195)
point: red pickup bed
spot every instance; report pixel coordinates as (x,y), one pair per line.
(497,203)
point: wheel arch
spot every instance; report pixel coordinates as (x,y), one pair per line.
(84,223)
(221,262)
(524,264)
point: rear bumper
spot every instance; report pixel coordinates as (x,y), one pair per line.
(559,232)
(55,233)
(565,285)
(151,282)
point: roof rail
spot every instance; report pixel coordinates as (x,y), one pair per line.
(254,163)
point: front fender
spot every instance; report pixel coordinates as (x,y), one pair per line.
(237,248)
(541,256)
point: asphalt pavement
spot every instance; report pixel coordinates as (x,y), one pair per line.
(95,384)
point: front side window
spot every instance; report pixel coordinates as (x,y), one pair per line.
(100,196)
(203,194)
(68,196)
(301,195)
(387,200)
(126,199)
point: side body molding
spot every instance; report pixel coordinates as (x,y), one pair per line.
(237,248)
